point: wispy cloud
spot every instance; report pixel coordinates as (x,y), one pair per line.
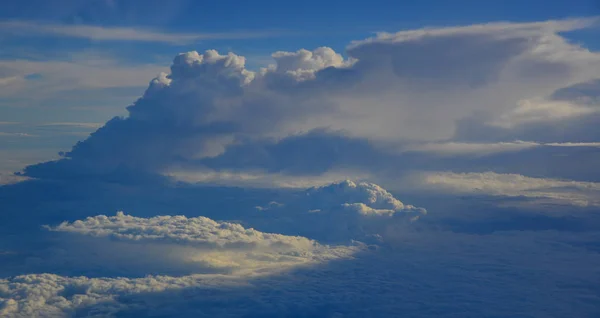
(15,134)
(99,33)
(578,193)
(74,124)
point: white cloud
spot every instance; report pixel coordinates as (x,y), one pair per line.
(454,148)
(6,178)
(260,179)
(218,254)
(573,144)
(99,33)
(363,196)
(463,148)
(200,231)
(75,124)
(510,29)
(57,296)
(178,244)
(303,64)
(541,110)
(15,134)
(578,193)
(83,71)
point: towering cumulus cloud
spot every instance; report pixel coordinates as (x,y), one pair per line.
(488,83)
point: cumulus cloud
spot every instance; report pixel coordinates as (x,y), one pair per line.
(56,296)
(199,231)
(303,64)
(191,245)
(448,255)
(217,255)
(350,194)
(343,211)
(389,88)
(439,266)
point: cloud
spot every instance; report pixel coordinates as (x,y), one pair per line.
(10,179)
(15,134)
(577,193)
(494,260)
(101,33)
(199,231)
(453,148)
(343,211)
(532,111)
(350,194)
(217,255)
(397,103)
(65,76)
(567,114)
(75,124)
(462,148)
(182,245)
(439,266)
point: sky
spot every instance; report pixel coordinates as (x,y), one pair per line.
(311,159)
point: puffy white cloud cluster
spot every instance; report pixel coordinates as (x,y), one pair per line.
(363,197)
(49,295)
(180,229)
(448,274)
(219,255)
(303,64)
(341,212)
(198,245)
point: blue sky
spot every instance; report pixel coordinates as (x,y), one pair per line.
(300,159)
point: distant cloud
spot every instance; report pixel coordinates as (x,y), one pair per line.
(100,33)
(577,193)
(462,148)
(453,148)
(75,124)
(10,178)
(15,134)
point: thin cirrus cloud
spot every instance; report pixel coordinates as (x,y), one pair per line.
(99,33)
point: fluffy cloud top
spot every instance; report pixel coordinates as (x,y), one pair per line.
(182,230)
(199,243)
(364,198)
